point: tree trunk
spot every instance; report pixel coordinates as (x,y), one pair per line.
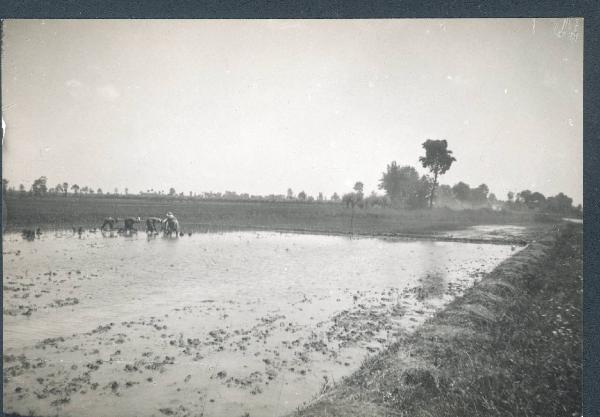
(352,222)
(435,176)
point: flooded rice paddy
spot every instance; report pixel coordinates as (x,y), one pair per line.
(229,324)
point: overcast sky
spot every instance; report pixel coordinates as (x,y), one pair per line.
(260,106)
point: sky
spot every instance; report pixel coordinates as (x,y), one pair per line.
(260,106)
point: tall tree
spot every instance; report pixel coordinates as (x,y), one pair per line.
(4,185)
(290,194)
(359,187)
(400,183)
(301,195)
(524,196)
(537,200)
(65,187)
(533,200)
(559,203)
(419,195)
(39,186)
(438,159)
(479,195)
(75,188)
(462,191)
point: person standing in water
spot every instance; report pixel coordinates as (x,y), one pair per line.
(171,224)
(129,222)
(151,223)
(110,222)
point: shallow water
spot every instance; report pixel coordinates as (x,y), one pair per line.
(492,232)
(219,324)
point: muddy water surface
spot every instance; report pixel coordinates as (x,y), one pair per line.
(226,324)
(494,232)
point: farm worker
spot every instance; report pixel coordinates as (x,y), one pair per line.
(129,222)
(170,223)
(108,221)
(169,219)
(151,224)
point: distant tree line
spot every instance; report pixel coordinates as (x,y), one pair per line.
(39,187)
(403,186)
(528,200)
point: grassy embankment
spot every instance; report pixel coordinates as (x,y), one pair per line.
(511,346)
(61,212)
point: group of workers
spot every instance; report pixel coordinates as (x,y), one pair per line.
(154,225)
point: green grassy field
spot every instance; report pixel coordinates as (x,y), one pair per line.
(511,346)
(61,212)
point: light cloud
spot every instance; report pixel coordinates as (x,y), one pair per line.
(73,83)
(74,87)
(108,92)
